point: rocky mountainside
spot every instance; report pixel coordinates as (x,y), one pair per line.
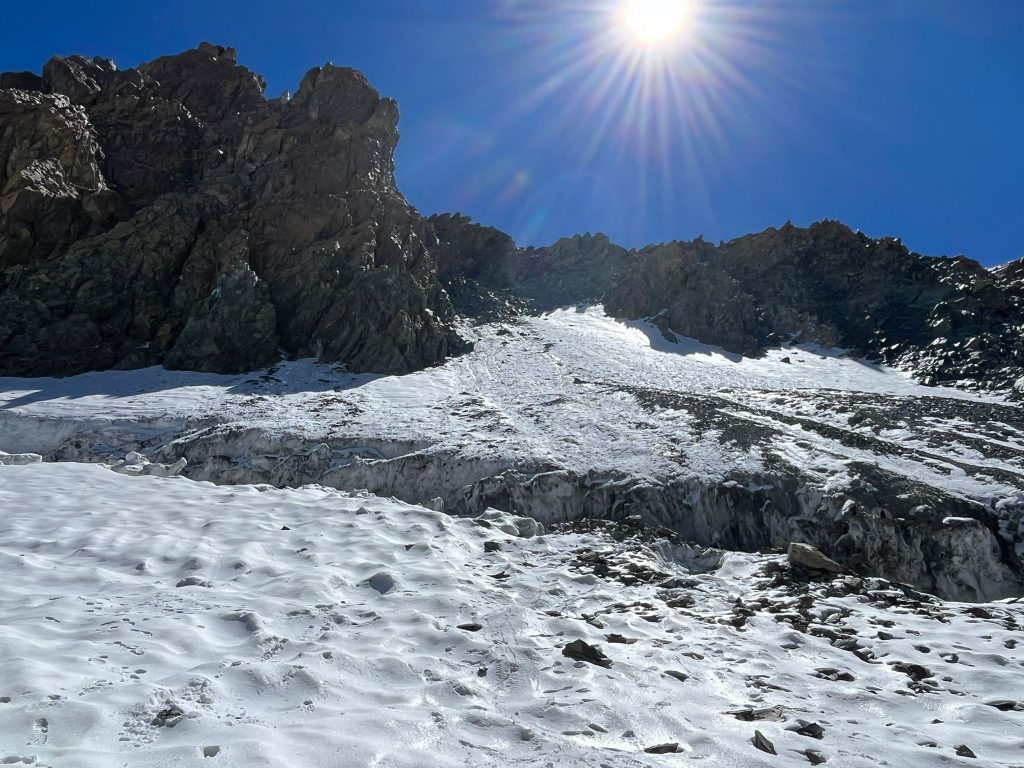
(949,321)
(172,214)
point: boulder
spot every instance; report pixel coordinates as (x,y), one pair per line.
(808,557)
(580,650)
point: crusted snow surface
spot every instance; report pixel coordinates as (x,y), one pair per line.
(151,621)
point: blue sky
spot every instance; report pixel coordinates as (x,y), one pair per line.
(898,117)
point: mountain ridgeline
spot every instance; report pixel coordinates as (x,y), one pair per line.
(172,214)
(947,320)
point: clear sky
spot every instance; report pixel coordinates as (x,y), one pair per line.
(548,118)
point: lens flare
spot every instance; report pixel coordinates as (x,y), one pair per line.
(657,91)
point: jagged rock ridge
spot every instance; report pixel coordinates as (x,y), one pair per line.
(950,321)
(172,214)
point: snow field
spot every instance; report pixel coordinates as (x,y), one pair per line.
(149,621)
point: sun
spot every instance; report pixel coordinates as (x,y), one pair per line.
(656,21)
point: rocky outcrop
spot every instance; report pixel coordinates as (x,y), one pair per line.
(488,275)
(575,270)
(473,267)
(172,214)
(950,321)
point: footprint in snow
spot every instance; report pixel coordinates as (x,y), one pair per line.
(40,731)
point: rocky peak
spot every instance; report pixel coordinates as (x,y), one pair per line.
(79,78)
(334,95)
(171,214)
(207,80)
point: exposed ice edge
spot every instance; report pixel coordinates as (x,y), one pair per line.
(572,415)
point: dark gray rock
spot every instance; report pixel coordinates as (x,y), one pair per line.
(807,728)
(663,749)
(762,743)
(580,650)
(809,557)
(171,214)
(615,638)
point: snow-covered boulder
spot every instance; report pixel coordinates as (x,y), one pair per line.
(523,527)
(137,464)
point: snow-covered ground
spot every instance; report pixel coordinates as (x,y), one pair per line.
(574,414)
(559,390)
(147,621)
(152,621)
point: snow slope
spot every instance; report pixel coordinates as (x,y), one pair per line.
(152,621)
(554,390)
(548,409)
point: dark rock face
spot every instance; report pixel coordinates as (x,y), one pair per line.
(948,320)
(572,271)
(171,214)
(488,276)
(473,267)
